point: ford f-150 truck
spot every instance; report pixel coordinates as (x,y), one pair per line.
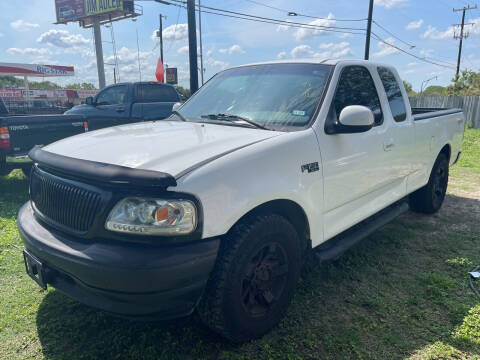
(115,105)
(215,208)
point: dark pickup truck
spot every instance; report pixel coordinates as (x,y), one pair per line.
(115,105)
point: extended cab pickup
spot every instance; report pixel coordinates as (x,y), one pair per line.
(215,208)
(115,105)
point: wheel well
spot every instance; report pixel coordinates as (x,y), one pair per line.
(447,151)
(289,210)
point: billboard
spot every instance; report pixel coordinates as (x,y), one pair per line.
(82,10)
(69,10)
(172,76)
(96,7)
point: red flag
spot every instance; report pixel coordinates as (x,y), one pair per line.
(159,73)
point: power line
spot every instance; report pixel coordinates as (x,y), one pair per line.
(425,59)
(394,36)
(294,13)
(319,27)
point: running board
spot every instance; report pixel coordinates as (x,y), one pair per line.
(334,247)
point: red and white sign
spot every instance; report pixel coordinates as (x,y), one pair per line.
(35,70)
(59,94)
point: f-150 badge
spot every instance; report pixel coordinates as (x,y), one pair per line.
(312,167)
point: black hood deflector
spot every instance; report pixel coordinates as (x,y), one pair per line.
(101,172)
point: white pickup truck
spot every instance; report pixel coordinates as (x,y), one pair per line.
(215,208)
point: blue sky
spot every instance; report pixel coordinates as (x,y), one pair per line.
(29,36)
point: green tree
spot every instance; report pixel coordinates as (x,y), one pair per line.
(468,83)
(435,90)
(10,81)
(184,93)
(409,88)
(43,85)
(81,86)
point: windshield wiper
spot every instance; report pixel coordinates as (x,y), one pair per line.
(180,115)
(234,117)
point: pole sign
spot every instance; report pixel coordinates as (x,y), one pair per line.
(96,7)
(69,10)
(172,76)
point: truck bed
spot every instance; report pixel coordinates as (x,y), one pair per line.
(428,113)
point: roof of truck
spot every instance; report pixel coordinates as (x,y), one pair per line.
(312,61)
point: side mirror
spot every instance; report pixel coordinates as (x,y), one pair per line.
(176,106)
(355,119)
(89,100)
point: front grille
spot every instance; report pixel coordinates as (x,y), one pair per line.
(62,202)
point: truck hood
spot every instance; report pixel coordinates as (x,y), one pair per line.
(167,146)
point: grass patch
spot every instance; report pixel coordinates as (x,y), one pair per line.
(401,293)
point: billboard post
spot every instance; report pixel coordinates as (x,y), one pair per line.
(97,33)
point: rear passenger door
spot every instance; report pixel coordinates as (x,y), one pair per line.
(356,169)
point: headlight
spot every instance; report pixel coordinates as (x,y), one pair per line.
(145,216)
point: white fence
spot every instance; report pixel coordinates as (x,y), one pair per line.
(469,104)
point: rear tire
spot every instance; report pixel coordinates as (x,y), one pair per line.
(254,278)
(429,199)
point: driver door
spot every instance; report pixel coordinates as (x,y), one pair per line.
(356,170)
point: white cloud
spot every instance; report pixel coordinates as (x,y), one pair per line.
(331,51)
(2,35)
(29,51)
(209,53)
(63,39)
(426,52)
(126,56)
(234,49)
(175,32)
(433,33)
(301,51)
(216,63)
(183,50)
(22,25)
(412,64)
(282,55)
(283,28)
(305,33)
(390,3)
(386,50)
(414,25)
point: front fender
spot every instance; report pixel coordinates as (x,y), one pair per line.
(274,169)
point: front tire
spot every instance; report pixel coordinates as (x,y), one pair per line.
(254,278)
(429,199)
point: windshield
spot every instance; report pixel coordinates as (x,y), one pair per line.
(276,96)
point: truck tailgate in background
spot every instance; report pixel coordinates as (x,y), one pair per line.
(28,131)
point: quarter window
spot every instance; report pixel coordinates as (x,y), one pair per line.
(394,94)
(356,87)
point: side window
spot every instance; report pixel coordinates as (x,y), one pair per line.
(356,87)
(394,94)
(156,93)
(112,96)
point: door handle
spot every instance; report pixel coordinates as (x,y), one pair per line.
(120,109)
(388,145)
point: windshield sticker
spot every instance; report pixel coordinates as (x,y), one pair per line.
(299,113)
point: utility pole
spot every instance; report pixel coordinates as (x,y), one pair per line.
(462,34)
(201,45)
(97,34)
(369,30)
(192,45)
(160,36)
